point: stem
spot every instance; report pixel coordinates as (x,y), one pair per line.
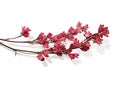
(87,39)
(15,37)
(7,40)
(18,50)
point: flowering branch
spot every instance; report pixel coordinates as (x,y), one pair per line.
(58,47)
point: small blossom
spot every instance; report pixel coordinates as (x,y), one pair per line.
(49,35)
(58,47)
(42,39)
(51,50)
(41,35)
(87,34)
(68,51)
(97,38)
(40,57)
(85,28)
(76,43)
(45,53)
(54,38)
(58,43)
(25,31)
(72,46)
(85,46)
(70,37)
(79,26)
(59,53)
(103,31)
(62,36)
(63,39)
(73,31)
(46,45)
(73,55)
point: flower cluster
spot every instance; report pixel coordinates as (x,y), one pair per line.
(25,31)
(58,47)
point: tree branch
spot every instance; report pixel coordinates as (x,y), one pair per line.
(18,50)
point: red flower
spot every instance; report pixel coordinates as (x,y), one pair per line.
(49,35)
(97,38)
(73,55)
(46,45)
(50,50)
(70,37)
(79,26)
(58,47)
(73,31)
(72,46)
(87,34)
(45,53)
(59,53)
(103,31)
(85,28)
(40,57)
(25,31)
(62,36)
(41,36)
(76,43)
(54,38)
(68,51)
(85,46)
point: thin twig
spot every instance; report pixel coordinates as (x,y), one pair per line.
(18,50)
(30,42)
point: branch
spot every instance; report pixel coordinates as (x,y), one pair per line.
(59,48)
(18,50)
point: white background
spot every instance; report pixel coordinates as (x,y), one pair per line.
(99,68)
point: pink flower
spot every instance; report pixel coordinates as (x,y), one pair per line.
(72,46)
(51,50)
(76,43)
(97,38)
(41,36)
(58,47)
(46,45)
(68,51)
(85,46)
(59,53)
(70,37)
(25,31)
(79,26)
(103,31)
(87,34)
(86,26)
(62,36)
(40,57)
(45,53)
(73,55)
(73,31)
(54,38)
(49,35)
